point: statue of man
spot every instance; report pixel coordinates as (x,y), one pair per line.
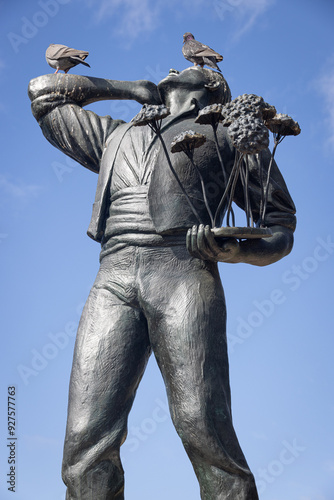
(157,289)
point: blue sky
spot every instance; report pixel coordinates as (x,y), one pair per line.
(279,317)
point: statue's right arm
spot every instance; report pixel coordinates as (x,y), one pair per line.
(57,103)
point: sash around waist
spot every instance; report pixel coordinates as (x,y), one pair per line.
(129,223)
(129,212)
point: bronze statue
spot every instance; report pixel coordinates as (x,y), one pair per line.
(157,288)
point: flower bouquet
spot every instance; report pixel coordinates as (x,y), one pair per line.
(248,119)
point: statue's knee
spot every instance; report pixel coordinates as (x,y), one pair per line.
(103,478)
(190,426)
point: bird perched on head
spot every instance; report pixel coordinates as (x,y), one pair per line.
(62,57)
(198,53)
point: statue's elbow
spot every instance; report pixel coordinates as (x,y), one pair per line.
(34,88)
(147,92)
(275,248)
(283,246)
(289,240)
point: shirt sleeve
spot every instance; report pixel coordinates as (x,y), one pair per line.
(280,207)
(79,133)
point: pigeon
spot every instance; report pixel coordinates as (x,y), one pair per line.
(198,53)
(61,57)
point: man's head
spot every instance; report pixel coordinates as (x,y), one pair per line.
(206,86)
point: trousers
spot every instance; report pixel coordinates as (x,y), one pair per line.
(163,300)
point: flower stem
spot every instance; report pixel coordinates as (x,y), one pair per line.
(266,189)
(177,177)
(238,165)
(244,174)
(258,156)
(228,185)
(214,127)
(190,156)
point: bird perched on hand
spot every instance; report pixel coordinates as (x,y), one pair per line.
(198,53)
(61,57)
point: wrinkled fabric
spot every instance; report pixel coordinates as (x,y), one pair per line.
(137,306)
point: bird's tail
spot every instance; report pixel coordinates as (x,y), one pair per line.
(78,59)
(210,61)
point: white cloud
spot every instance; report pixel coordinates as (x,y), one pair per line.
(248,12)
(131,18)
(325,84)
(136,17)
(18,190)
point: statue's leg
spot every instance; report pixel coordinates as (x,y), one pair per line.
(187,330)
(111,352)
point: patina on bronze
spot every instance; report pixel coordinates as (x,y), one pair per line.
(158,288)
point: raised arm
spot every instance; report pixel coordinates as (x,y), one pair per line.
(57,102)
